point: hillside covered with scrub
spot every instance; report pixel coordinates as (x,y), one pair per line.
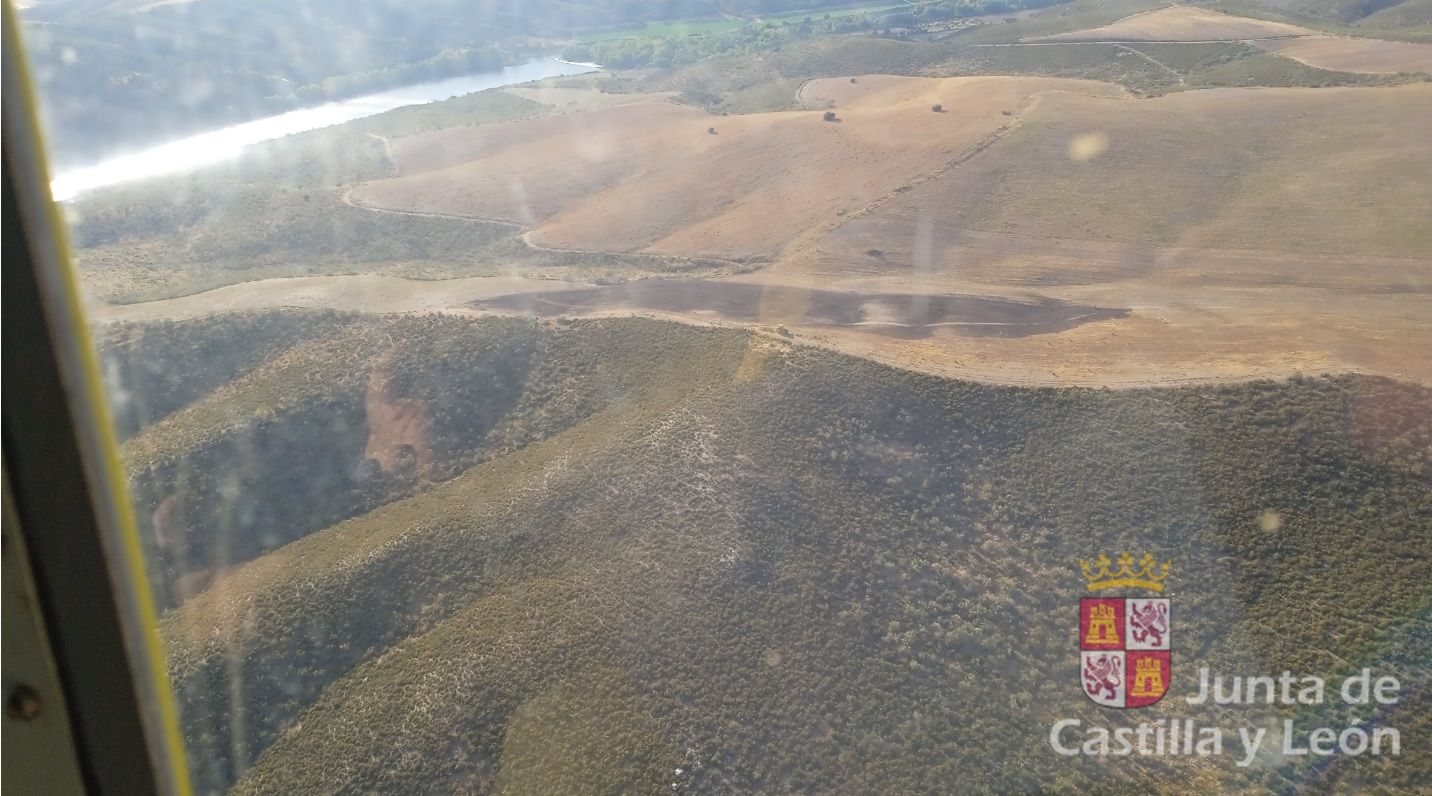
(438,553)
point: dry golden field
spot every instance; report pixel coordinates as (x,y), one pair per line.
(1059,231)
(1202,212)
(1182,23)
(659,177)
(1368,56)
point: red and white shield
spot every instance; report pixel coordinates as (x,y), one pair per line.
(1124,658)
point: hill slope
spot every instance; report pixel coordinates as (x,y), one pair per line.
(730,564)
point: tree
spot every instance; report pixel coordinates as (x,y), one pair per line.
(828,116)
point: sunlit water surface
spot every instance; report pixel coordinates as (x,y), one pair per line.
(186,154)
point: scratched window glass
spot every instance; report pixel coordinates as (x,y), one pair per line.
(784,396)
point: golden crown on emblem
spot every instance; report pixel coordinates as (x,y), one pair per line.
(1150,574)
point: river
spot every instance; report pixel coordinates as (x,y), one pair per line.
(186,154)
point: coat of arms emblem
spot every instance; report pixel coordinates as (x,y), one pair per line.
(1124,657)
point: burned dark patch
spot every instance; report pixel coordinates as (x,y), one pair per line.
(893,314)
